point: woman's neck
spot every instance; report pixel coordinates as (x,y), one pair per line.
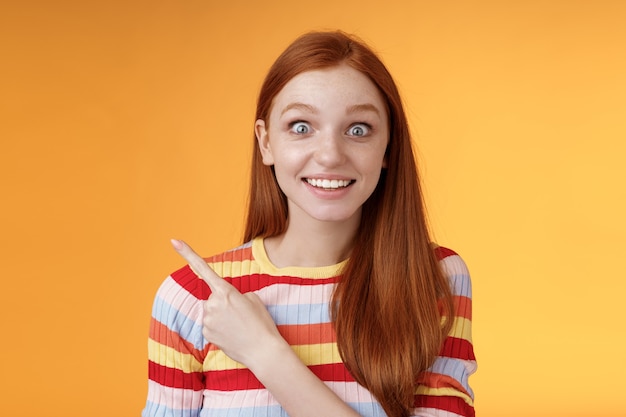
(312,244)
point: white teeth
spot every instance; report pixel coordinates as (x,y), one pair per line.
(328,184)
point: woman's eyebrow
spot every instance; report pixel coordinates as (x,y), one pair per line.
(357,108)
(299,106)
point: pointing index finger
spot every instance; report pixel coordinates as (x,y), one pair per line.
(199,265)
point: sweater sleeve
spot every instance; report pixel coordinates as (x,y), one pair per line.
(176,348)
(443,389)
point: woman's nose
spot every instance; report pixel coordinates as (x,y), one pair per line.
(330,149)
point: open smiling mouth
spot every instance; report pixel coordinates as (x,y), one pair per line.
(328,184)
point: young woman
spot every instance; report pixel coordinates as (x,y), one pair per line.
(338,303)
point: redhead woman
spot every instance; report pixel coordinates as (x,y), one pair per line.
(338,303)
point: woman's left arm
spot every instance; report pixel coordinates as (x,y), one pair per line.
(444,389)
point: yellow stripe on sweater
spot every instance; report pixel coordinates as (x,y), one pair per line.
(444,392)
(462,329)
(170,357)
(317,354)
(235,268)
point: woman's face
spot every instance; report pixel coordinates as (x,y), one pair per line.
(326,137)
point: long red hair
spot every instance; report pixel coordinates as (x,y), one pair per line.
(386,307)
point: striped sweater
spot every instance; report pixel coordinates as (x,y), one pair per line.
(190,377)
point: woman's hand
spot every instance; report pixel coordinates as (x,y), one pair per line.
(237,323)
(242,327)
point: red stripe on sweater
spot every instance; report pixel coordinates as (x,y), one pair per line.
(243,379)
(175,378)
(254,282)
(433,380)
(231,380)
(236,255)
(187,279)
(163,335)
(454,347)
(295,334)
(462,306)
(336,372)
(310,334)
(443,253)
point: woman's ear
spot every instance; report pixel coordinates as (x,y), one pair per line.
(264,142)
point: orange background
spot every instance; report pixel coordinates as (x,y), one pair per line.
(125,123)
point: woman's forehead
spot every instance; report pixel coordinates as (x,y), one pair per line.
(313,90)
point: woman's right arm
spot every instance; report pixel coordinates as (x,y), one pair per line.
(243,328)
(176,348)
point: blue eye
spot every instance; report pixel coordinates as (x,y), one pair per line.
(359,130)
(300,128)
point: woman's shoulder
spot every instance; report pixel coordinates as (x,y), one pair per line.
(184,283)
(455,268)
